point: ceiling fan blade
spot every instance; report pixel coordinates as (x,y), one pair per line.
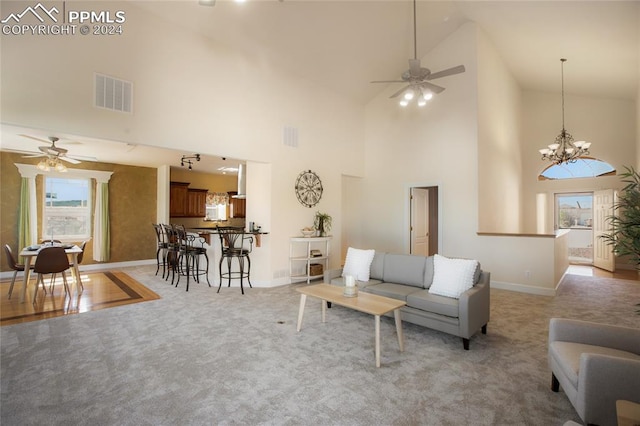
(399,91)
(69,159)
(34,155)
(432,87)
(450,71)
(414,67)
(36,139)
(388,81)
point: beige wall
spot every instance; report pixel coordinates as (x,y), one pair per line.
(499,143)
(132,207)
(432,146)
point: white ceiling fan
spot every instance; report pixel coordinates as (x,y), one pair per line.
(52,151)
(418,78)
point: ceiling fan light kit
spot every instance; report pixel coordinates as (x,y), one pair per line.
(51,163)
(417,78)
(564,149)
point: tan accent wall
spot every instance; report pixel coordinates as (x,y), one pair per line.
(203,180)
(132,208)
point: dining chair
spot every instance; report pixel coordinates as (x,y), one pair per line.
(17,267)
(79,257)
(50,260)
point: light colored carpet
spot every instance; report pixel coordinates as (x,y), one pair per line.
(206,358)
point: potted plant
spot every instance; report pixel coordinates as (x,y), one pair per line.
(625,223)
(322,222)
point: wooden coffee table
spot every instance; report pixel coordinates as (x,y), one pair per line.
(368,303)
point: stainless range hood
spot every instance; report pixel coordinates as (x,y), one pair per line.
(242,182)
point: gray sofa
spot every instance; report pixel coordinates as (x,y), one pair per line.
(408,277)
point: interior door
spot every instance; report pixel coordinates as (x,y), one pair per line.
(602,208)
(420,221)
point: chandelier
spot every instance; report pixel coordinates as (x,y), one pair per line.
(50,163)
(564,149)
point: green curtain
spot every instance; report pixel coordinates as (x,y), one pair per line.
(101,233)
(24,216)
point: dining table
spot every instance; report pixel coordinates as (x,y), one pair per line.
(29,253)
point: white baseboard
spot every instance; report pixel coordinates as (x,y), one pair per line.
(94,267)
(523,288)
(103,266)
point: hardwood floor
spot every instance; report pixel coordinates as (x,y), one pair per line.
(591,271)
(101,290)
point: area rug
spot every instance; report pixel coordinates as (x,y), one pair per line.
(101,290)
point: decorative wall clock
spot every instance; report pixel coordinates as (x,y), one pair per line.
(308,188)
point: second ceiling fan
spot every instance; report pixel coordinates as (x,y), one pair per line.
(418,78)
(52,152)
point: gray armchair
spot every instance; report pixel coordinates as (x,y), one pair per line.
(596,365)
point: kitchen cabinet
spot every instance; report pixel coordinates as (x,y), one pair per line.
(178,198)
(185,201)
(237,206)
(196,202)
(308,258)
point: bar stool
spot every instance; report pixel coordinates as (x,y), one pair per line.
(190,249)
(235,244)
(163,245)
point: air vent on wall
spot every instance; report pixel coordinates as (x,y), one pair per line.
(290,136)
(112,93)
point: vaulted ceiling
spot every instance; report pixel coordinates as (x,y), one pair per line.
(343,45)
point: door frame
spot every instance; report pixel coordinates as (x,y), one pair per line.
(435,213)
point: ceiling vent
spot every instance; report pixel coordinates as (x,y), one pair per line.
(114,94)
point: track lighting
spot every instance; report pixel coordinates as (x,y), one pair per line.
(188,159)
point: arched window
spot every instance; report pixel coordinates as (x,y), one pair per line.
(582,168)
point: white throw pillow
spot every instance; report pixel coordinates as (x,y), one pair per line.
(452,277)
(358,263)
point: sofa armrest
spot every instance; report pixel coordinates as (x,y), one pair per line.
(591,333)
(604,379)
(330,274)
(475,306)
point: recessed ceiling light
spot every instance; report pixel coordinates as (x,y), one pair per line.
(228,169)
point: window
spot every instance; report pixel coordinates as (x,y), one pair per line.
(216,212)
(67,208)
(574,211)
(581,168)
(216,206)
